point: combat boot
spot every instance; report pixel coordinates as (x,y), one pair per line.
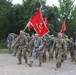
(14,54)
(40,65)
(19,61)
(30,64)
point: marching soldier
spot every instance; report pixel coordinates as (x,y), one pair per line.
(60,49)
(74,52)
(22,44)
(10,40)
(71,47)
(37,46)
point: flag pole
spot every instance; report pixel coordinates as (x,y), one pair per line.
(40,4)
(18,38)
(25,28)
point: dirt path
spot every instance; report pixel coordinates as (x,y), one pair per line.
(8,66)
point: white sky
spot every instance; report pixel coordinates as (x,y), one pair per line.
(49,2)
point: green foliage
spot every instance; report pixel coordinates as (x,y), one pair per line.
(3,43)
(13,18)
(3,51)
(68,12)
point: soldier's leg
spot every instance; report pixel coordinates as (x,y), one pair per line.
(71,52)
(74,56)
(51,53)
(15,51)
(24,55)
(58,64)
(19,56)
(40,53)
(62,58)
(56,53)
(44,55)
(32,58)
(9,50)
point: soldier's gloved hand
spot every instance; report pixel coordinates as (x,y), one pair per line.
(24,49)
(37,49)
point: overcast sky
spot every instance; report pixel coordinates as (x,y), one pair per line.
(49,2)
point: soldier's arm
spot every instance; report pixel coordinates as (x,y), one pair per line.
(41,45)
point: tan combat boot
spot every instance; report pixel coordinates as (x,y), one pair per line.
(30,64)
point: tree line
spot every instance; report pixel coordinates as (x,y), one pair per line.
(13,18)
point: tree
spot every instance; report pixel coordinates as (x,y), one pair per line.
(66,12)
(5,6)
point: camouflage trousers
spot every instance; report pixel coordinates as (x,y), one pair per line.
(34,54)
(15,50)
(21,53)
(59,57)
(44,54)
(74,55)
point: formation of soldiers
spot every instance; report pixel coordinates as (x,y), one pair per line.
(37,47)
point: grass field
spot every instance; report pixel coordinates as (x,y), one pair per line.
(3,51)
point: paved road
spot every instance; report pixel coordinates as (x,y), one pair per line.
(8,66)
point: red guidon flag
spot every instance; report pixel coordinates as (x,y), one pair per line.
(29,25)
(63,27)
(38,24)
(45,20)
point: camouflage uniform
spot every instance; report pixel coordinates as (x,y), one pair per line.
(51,53)
(10,40)
(15,50)
(36,44)
(60,50)
(44,50)
(47,46)
(71,45)
(74,53)
(22,43)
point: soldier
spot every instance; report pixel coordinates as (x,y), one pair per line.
(47,46)
(22,47)
(37,46)
(44,50)
(51,52)
(60,50)
(10,40)
(71,45)
(74,52)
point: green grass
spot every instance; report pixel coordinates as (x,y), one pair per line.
(3,43)
(3,46)
(3,51)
